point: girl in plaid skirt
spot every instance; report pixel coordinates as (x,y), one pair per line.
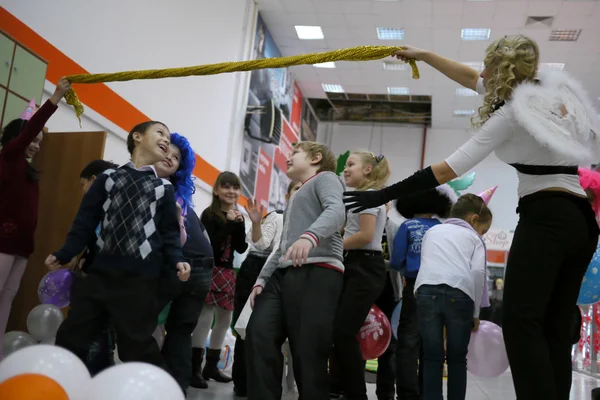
(226,230)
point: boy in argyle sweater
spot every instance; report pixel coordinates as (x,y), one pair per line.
(139,236)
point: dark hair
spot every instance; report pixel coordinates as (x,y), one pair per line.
(471,204)
(182,179)
(11,131)
(291,186)
(429,202)
(224,178)
(95,168)
(141,128)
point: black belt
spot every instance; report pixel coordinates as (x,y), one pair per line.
(367,252)
(545,169)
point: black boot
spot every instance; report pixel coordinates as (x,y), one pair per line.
(197,380)
(211,371)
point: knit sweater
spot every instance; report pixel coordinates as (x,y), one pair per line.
(139,231)
(18,195)
(315,212)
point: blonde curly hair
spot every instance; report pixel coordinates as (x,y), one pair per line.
(510,60)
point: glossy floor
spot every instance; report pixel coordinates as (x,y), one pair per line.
(500,388)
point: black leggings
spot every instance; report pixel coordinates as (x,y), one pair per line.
(552,247)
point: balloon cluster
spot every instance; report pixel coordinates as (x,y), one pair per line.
(50,372)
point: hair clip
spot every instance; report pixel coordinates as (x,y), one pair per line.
(379,158)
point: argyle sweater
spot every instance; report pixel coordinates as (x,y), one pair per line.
(139,229)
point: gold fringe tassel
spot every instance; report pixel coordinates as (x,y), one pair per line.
(360,53)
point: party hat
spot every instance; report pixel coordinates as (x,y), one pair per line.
(488,194)
(29,110)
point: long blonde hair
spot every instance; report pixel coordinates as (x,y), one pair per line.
(380,170)
(510,60)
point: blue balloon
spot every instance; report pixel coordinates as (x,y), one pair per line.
(396,319)
(590,286)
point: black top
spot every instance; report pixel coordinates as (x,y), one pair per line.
(225,237)
(139,228)
(197,244)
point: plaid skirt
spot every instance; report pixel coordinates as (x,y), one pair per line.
(222,288)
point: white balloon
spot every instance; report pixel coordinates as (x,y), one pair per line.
(132,381)
(16,340)
(43,321)
(52,361)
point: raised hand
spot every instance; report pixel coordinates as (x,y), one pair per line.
(255,212)
(62,87)
(410,53)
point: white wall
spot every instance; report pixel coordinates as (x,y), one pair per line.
(111,36)
(402,145)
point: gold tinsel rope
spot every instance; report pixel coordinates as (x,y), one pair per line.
(360,53)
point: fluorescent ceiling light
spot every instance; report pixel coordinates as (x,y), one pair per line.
(555,66)
(564,35)
(329,88)
(329,64)
(394,65)
(476,65)
(479,0)
(309,32)
(463,113)
(475,34)
(465,92)
(390,34)
(398,90)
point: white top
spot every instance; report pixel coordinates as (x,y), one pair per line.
(271,228)
(455,256)
(353,226)
(531,130)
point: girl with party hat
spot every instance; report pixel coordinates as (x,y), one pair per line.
(450,289)
(20,141)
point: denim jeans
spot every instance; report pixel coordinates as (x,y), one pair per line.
(442,306)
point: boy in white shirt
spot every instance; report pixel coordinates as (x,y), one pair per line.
(449,290)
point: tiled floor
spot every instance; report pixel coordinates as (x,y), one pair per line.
(500,388)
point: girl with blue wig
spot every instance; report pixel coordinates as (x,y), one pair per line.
(186,300)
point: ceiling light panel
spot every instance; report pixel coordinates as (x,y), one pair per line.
(475,34)
(309,32)
(331,88)
(390,34)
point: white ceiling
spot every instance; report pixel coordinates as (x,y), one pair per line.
(434,25)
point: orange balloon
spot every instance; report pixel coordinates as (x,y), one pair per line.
(31,387)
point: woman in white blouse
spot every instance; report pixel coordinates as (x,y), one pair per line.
(544,126)
(264,237)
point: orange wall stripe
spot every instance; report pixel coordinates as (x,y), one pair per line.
(97,96)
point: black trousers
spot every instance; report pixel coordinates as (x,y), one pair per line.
(298,304)
(131,305)
(553,244)
(187,300)
(409,350)
(364,280)
(246,278)
(386,368)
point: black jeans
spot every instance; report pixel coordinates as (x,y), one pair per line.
(444,306)
(409,352)
(131,305)
(246,278)
(364,279)
(299,304)
(187,300)
(552,247)
(386,371)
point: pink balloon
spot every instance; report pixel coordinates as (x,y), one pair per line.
(487,354)
(375,334)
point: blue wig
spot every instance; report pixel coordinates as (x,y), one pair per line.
(182,180)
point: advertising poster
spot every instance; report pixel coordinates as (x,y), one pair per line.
(272,124)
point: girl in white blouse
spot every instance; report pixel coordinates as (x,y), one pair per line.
(542,124)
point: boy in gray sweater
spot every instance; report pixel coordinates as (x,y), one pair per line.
(297,292)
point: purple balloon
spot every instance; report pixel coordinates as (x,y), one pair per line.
(487,354)
(55,288)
